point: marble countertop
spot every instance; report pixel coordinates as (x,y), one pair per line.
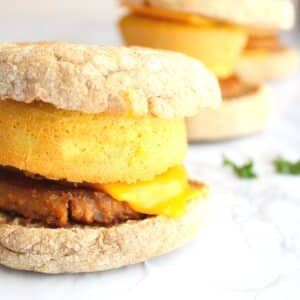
(250,247)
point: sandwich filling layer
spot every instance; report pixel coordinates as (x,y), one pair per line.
(58,204)
(63,166)
(262,45)
(233,87)
(165,14)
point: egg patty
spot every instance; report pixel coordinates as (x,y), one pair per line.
(79,147)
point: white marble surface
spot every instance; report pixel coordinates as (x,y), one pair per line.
(250,247)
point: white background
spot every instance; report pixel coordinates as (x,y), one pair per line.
(250,248)
(86,21)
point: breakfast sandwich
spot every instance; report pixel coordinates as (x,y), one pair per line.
(231,38)
(92,143)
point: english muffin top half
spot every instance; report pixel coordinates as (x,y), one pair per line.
(98,79)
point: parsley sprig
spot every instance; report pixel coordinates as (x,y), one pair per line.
(283,166)
(244,171)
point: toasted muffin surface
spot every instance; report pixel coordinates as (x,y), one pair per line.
(32,247)
(96,79)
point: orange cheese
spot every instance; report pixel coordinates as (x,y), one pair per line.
(167,195)
(164,14)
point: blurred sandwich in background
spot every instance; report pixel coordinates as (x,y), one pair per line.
(237,40)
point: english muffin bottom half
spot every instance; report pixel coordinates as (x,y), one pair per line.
(245,110)
(92,143)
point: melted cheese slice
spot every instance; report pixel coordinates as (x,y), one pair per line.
(167,194)
(164,14)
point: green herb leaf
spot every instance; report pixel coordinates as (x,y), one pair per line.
(245,171)
(284,166)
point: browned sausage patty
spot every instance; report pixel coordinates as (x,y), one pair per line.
(267,43)
(56,204)
(233,87)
